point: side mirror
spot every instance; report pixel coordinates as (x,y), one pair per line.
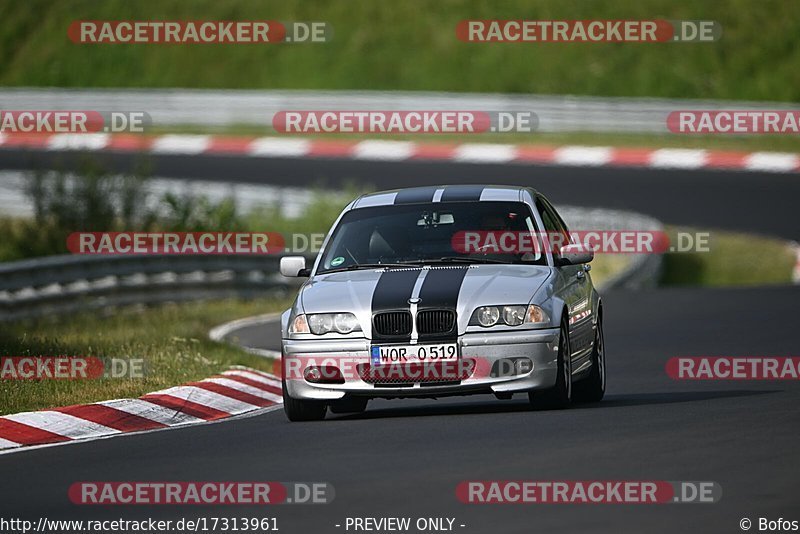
(294,266)
(575,255)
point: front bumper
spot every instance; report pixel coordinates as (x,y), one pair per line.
(486,348)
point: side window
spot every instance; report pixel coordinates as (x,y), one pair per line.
(558,218)
(557,233)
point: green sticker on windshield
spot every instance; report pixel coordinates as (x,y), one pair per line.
(338,260)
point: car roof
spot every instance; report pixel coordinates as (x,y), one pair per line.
(443,193)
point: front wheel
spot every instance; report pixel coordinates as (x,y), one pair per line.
(559,396)
(302,410)
(593,387)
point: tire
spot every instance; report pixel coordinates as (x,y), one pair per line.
(559,396)
(593,387)
(350,405)
(302,410)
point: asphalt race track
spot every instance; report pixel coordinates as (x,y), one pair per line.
(405,458)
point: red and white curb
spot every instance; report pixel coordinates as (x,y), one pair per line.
(387,150)
(236,391)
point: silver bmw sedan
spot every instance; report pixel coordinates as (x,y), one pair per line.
(438,291)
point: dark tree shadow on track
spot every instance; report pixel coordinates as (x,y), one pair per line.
(500,406)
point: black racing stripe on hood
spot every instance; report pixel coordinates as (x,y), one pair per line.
(440,290)
(441,287)
(415,195)
(392,292)
(461,193)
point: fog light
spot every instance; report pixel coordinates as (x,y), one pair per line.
(326,374)
(502,367)
(508,367)
(312,374)
(523,366)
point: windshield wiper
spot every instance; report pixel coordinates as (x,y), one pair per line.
(407,263)
(454,259)
(462,259)
(357,266)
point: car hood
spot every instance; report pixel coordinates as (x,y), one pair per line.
(459,287)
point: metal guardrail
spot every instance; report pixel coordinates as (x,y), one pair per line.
(218,108)
(64,284)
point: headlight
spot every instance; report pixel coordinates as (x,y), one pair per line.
(487,315)
(344,323)
(322,323)
(513,315)
(510,315)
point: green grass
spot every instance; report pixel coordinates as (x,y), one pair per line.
(12,229)
(734,259)
(604,266)
(172,340)
(412,46)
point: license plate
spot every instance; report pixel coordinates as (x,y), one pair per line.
(399,354)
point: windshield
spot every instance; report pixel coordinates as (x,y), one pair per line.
(424,233)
